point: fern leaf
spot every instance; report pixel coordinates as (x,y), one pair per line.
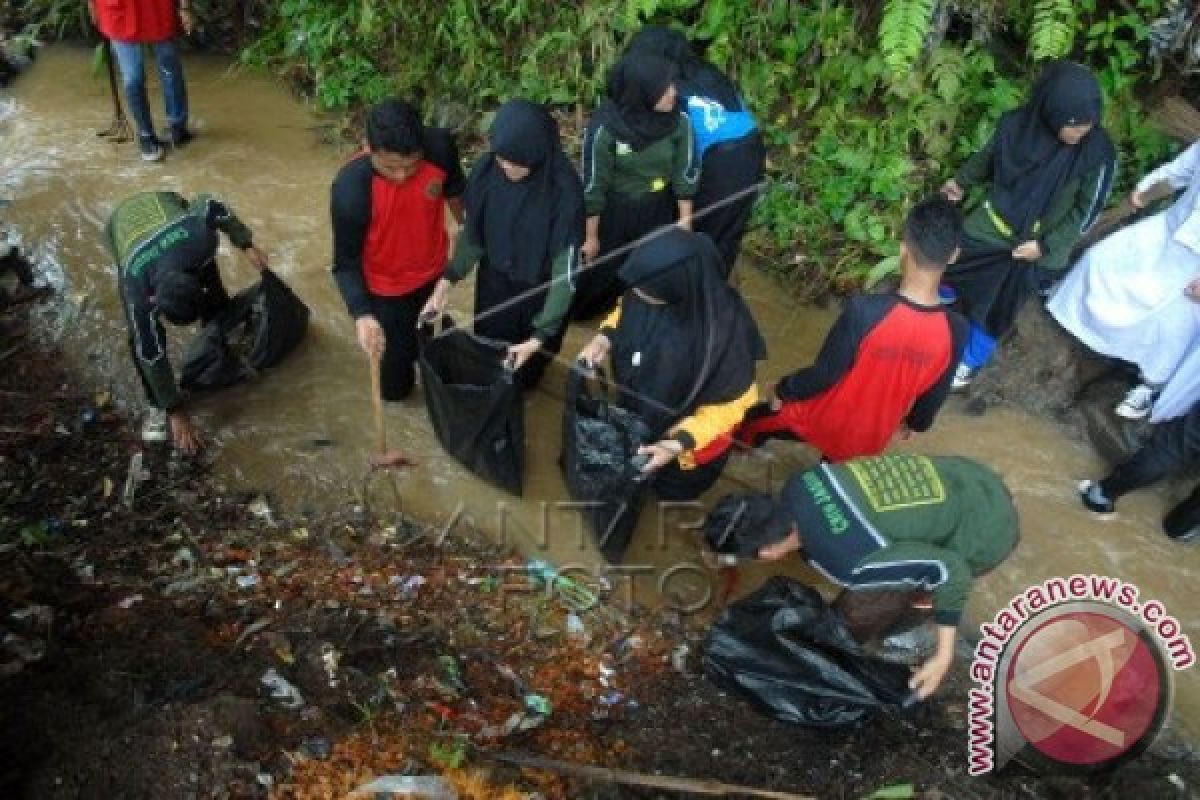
(1052,33)
(902,32)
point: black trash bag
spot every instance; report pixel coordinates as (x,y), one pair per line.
(474,404)
(255,331)
(600,440)
(792,656)
(209,363)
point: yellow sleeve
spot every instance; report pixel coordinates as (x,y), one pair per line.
(611,321)
(708,422)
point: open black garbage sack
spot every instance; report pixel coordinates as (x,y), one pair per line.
(786,651)
(600,441)
(474,404)
(259,327)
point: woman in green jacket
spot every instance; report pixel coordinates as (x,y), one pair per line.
(639,174)
(1048,170)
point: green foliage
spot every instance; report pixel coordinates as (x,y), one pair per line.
(903,30)
(860,120)
(1053,29)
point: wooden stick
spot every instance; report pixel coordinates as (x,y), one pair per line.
(380,433)
(377,404)
(627,778)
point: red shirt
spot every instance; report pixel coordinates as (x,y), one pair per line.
(899,360)
(406,243)
(137,20)
(885,362)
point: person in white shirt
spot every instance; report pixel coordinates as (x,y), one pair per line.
(1136,296)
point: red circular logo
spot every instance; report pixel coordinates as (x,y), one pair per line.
(1086,689)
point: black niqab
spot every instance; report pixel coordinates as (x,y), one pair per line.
(697,77)
(698,347)
(635,84)
(1030,162)
(522,225)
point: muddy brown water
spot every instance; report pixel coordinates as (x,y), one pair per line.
(303,431)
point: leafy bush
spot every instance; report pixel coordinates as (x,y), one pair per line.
(865,106)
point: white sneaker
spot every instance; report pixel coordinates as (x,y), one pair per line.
(154,425)
(962,378)
(1138,402)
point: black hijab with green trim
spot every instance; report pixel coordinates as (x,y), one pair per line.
(697,347)
(523,225)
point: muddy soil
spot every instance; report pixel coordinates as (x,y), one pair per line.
(134,639)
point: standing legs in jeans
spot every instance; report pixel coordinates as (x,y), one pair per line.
(398,318)
(170,70)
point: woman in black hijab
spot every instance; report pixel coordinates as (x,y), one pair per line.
(639,173)
(683,348)
(729,145)
(1048,170)
(524,226)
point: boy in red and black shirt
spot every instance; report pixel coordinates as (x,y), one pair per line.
(887,362)
(390,243)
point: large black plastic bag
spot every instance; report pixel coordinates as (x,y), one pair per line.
(259,327)
(786,651)
(600,440)
(474,404)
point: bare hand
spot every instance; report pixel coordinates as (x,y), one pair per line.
(929,676)
(370,336)
(773,399)
(184,433)
(256,257)
(187,20)
(1193,290)
(596,350)
(590,249)
(953,192)
(661,453)
(518,354)
(1137,200)
(1027,251)
(435,306)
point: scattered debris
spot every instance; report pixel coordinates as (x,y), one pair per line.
(282,689)
(426,787)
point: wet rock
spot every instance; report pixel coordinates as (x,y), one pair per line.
(318,748)
(1042,369)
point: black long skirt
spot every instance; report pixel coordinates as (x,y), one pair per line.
(730,169)
(505,310)
(991,284)
(676,485)
(624,221)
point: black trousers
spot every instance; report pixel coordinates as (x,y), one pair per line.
(730,169)
(1174,445)
(1185,517)
(398,317)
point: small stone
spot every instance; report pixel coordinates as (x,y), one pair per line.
(317,748)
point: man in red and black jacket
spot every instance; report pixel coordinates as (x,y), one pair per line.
(390,243)
(888,362)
